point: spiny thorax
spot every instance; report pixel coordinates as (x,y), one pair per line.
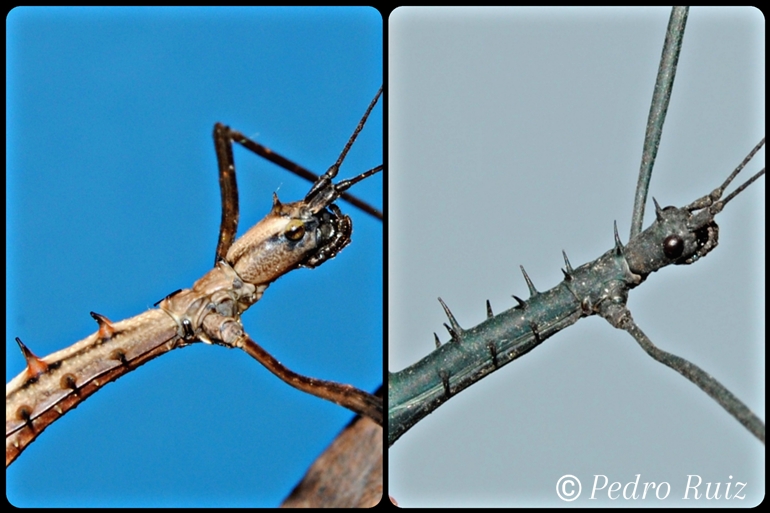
(471,354)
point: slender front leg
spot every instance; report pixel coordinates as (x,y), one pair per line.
(348,396)
(229,189)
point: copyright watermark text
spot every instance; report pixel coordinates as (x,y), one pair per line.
(569,487)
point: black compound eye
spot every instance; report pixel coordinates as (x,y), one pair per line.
(295,230)
(673,246)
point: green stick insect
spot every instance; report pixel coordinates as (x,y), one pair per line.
(530,125)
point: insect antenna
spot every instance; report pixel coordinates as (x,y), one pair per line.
(344,185)
(739,189)
(713,201)
(334,169)
(324,192)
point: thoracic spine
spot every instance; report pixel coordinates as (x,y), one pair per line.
(475,352)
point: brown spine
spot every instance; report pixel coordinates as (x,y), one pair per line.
(72,374)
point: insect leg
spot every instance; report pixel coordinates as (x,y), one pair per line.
(229,189)
(699,377)
(347,396)
(280,160)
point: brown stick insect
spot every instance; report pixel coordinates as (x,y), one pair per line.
(151,409)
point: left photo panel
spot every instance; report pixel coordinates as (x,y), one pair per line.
(114,194)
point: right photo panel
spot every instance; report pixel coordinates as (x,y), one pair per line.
(515,134)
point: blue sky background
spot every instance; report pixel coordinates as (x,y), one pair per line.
(516,133)
(113,202)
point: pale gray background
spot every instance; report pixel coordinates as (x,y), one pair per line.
(516,133)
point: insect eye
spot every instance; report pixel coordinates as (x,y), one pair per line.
(295,230)
(673,246)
